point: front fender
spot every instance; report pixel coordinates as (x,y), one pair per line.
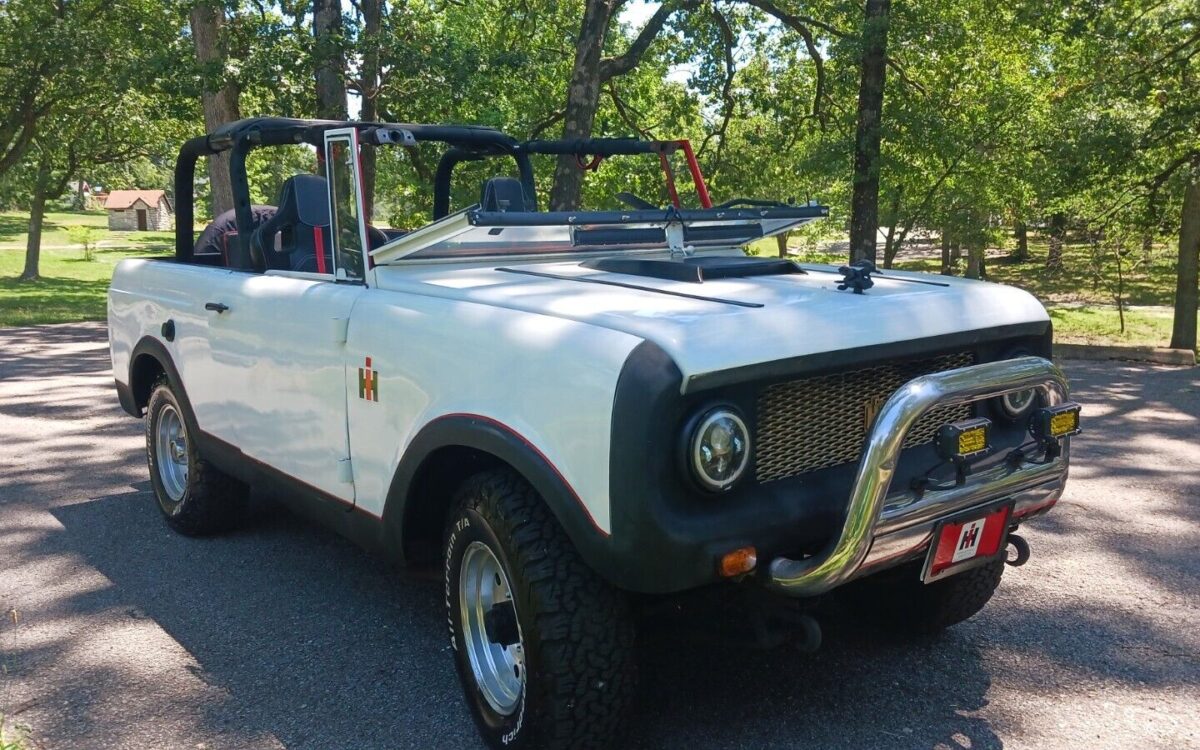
(490,437)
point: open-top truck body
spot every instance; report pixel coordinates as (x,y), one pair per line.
(565,408)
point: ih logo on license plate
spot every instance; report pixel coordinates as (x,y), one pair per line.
(959,545)
(968,540)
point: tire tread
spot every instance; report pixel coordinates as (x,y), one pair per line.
(583,625)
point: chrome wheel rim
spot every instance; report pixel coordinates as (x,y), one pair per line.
(170,444)
(491,635)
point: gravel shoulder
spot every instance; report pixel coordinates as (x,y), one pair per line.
(115,633)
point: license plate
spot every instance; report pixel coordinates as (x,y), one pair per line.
(966,541)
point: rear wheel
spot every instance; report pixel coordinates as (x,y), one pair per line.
(898,601)
(543,646)
(194,496)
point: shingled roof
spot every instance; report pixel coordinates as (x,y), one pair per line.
(121,199)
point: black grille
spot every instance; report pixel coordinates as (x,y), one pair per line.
(822,421)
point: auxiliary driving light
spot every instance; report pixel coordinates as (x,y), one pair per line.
(965,439)
(1054,422)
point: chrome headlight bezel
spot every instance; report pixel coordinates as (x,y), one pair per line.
(1017,406)
(695,458)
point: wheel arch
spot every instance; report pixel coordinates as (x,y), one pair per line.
(148,361)
(451,449)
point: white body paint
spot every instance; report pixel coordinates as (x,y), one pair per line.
(539,355)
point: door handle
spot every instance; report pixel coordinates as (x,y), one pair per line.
(217,307)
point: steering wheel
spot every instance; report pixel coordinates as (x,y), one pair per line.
(629,199)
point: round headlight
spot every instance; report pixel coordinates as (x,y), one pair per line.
(720,449)
(1018,403)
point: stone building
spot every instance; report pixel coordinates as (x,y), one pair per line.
(139,210)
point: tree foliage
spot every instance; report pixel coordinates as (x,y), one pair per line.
(1069,118)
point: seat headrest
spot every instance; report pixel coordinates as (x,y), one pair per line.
(307,195)
(503,194)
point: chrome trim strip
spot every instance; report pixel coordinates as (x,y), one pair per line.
(871,512)
(907,542)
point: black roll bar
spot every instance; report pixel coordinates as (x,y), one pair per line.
(242,136)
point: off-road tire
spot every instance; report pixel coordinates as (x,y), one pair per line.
(212,501)
(899,602)
(576,630)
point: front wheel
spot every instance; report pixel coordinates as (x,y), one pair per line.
(543,646)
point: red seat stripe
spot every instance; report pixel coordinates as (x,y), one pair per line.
(319,241)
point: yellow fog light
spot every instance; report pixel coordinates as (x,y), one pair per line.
(965,439)
(1054,422)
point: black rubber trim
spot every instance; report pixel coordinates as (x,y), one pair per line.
(341,516)
(865,355)
(609,282)
(496,439)
(125,396)
(157,349)
(668,536)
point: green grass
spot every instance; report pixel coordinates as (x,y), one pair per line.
(1101,325)
(1082,297)
(70,288)
(12,739)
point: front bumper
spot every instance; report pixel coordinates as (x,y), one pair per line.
(881,529)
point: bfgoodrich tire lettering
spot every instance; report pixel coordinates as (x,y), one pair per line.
(575,630)
(195,497)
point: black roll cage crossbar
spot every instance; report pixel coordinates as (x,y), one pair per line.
(466,143)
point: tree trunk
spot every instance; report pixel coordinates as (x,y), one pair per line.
(955,254)
(37,213)
(1021,232)
(331,62)
(975,269)
(781,241)
(219,97)
(1058,232)
(947,266)
(891,244)
(372,11)
(1187,280)
(583,99)
(864,203)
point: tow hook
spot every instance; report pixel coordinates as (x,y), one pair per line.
(1021,547)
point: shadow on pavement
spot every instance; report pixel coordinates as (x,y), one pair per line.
(321,646)
(324,647)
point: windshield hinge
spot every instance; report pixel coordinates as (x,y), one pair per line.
(674,232)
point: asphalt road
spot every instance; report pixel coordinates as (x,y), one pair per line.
(118,634)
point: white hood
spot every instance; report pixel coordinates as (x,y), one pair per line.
(791,315)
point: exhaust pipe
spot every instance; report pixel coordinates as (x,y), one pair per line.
(1021,547)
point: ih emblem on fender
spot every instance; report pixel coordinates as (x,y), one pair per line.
(871,410)
(368,382)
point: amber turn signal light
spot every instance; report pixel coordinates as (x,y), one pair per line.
(739,561)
